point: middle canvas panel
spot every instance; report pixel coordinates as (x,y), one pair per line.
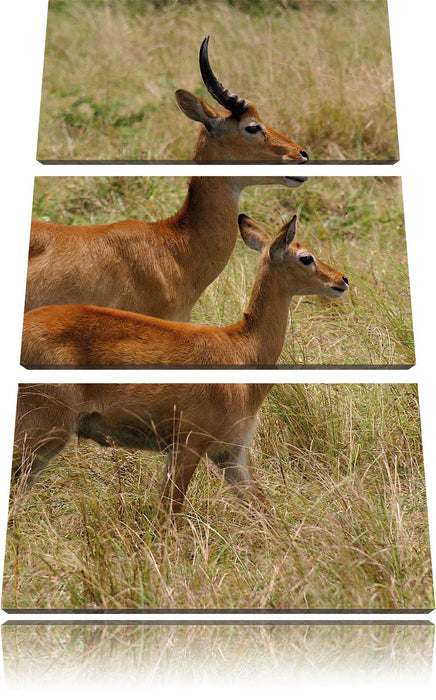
(217,272)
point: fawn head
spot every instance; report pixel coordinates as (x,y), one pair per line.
(299,270)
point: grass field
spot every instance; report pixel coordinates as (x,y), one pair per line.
(341,466)
(318,71)
(354,224)
(74,653)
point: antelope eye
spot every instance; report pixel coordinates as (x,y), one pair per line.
(253,128)
(306,259)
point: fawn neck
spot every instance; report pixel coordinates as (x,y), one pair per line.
(266,318)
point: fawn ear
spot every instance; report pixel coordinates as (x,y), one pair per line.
(283,239)
(194,108)
(254,236)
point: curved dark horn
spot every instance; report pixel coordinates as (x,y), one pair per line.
(236,105)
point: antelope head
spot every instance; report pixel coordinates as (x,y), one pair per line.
(299,271)
(238,133)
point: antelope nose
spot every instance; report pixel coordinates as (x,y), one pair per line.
(345,280)
(304,155)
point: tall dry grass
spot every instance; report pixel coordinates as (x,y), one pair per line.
(341,466)
(319,72)
(354,224)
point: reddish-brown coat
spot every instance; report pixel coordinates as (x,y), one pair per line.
(159,268)
(188,421)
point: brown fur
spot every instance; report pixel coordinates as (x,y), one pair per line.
(160,268)
(187,421)
(89,336)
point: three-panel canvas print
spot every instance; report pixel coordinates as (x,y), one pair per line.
(195,494)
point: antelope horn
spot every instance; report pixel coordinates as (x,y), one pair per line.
(236,105)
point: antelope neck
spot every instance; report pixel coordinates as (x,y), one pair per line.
(208,223)
(266,318)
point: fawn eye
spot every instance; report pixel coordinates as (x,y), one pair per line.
(307,259)
(253,128)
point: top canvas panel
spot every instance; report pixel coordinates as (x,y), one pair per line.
(318,72)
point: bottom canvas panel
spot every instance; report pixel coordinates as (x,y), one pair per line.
(306,497)
(68,655)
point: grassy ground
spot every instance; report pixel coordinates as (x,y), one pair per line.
(354,224)
(319,72)
(342,468)
(75,653)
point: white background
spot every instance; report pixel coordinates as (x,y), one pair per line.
(413,36)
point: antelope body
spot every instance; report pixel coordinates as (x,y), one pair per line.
(89,336)
(161,268)
(186,421)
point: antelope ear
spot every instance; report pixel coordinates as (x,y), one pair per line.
(253,235)
(194,108)
(283,239)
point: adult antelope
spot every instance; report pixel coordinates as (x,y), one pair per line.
(187,421)
(161,268)
(90,336)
